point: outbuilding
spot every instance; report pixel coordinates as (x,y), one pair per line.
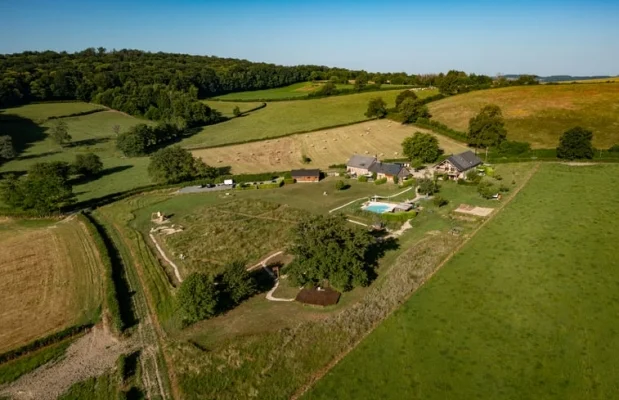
(305,175)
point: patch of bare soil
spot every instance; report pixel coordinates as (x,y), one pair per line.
(90,356)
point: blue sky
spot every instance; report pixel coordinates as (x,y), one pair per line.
(543,37)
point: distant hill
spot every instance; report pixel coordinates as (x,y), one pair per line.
(560,78)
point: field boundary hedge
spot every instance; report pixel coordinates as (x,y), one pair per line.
(441,129)
(309,96)
(111,275)
(43,342)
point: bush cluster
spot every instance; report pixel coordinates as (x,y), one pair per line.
(142,139)
(398,216)
(381,181)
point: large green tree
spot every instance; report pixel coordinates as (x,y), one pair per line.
(174,164)
(421,146)
(403,95)
(487,128)
(575,143)
(361,80)
(328,248)
(377,108)
(411,109)
(45,189)
(87,165)
(197,297)
(237,282)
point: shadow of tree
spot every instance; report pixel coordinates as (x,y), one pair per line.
(23,131)
(80,180)
(89,142)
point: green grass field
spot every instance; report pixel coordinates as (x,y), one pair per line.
(104,387)
(540,114)
(528,309)
(227,107)
(90,133)
(301,89)
(286,117)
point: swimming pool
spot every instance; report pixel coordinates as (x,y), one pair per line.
(378,208)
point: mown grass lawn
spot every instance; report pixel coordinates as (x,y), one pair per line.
(528,309)
(286,117)
(540,114)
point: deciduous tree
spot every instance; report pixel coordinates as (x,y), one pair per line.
(7,151)
(60,132)
(173,164)
(88,164)
(238,283)
(403,95)
(327,248)
(487,128)
(411,110)
(377,108)
(576,143)
(197,297)
(421,146)
(426,186)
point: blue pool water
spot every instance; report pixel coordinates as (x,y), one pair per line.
(377,208)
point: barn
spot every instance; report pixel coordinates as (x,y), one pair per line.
(305,175)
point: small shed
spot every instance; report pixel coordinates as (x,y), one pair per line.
(306,175)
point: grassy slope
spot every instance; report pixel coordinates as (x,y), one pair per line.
(227,107)
(526,310)
(285,117)
(540,114)
(104,387)
(90,133)
(300,89)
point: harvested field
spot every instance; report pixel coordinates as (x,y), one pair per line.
(51,279)
(331,146)
(540,114)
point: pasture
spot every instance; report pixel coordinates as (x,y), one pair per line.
(527,309)
(331,146)
(51,279)
(90,133)
(540,114)
(227,107)
(287,117)
(298,90)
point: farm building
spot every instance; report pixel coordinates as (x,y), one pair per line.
(456,166)
(360,165)
(306,175)
(389,171)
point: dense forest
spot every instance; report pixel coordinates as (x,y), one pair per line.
(166,87)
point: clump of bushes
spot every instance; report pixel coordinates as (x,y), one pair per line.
(305,159)
(408,183)
(381,181)
(512,148)
(614,149)
(487,190)
(340,185)
(362,178)
(289,181)
(337,166)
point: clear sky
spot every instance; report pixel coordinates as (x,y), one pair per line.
(544,37)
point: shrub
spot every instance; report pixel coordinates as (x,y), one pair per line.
(340,185)
(289,181)
(337,166)
(503,189)
(427,186)
(487,190)
(614,149)
(398,216)
(238,283)
(498,177)
(374,175)
(381,181)
(305,159)
(395,179)
(440,201)
(473,176)
(362,178)
(407,183)
(269,185)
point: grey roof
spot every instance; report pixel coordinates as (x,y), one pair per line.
(305,172)
(359,161)
(465,161)
(386,168)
